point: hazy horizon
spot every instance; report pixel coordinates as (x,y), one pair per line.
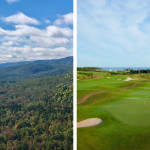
(34,60)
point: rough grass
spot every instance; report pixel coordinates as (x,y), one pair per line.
(125,113)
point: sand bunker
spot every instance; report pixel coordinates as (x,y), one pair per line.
(130,79)
(89,122)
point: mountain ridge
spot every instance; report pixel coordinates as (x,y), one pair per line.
(38,68)
(11,64)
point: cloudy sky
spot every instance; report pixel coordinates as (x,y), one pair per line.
(35,29)
(114,33)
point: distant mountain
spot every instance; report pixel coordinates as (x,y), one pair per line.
(11,64)
(4,65)
(36,69)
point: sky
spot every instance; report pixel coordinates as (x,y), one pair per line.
(113,33)
(35,30)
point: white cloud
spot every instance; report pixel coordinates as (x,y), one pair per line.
(46,41)
(27,42)
(25,30)
(20,18)
(27,53)
(47,21)
(68,18)
(9,43)
(114,29)
(51,36)
(65,19)
(59,32)
(12,1)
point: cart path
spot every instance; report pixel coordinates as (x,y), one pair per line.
(133,85)
(89,95)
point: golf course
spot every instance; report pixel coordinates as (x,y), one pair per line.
(121,101)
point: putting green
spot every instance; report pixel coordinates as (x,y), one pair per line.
(132,111)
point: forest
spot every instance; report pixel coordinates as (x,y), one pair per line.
(36,111)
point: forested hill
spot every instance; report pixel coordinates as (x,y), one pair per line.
(62,60)
(36,69)
(36,106)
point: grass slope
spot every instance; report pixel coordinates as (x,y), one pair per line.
(123,107)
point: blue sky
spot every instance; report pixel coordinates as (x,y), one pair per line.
(35,29)
(113,33)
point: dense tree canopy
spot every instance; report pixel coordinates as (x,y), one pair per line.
(36,113)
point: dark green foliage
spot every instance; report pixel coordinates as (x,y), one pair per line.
(37,69)
(36,113)
(129,72)
(89,69)
(124,72)
(139,71)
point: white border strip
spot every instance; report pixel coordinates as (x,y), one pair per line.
(75,74)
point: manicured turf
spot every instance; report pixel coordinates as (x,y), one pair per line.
(124,109)
(133,111)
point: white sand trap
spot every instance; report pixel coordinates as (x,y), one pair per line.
(118,79)
(108,77)
(130,79)
(89,122)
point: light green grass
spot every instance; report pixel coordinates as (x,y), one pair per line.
(133,111)
(125,113)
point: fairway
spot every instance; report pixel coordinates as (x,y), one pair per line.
(124,106)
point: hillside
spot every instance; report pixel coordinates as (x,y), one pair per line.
(36,107)
(36,69)
(121,100)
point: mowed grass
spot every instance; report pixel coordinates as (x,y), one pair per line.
(125,113)
(134,112)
